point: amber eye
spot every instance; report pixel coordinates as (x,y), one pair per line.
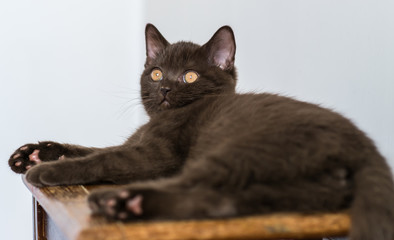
(156,75)
(190,77)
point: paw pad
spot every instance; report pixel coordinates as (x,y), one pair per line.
(23,159)
(134,205)
(124,194)
(29,155)
(117,205)
(122,215)
(32,154)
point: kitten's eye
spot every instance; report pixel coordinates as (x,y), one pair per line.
(156,75)
(190,77)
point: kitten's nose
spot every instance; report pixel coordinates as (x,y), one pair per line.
(165,90)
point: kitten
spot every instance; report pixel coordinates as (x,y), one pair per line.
(208,152)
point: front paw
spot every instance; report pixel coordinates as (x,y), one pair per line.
(117,204)
(43,175)
(32,154)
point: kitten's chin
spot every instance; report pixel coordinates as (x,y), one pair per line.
(165,105)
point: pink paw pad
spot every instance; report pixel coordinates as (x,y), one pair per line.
(122,215)
(124,194)
(134,205)
(110,211)
(34,156)
(111,203)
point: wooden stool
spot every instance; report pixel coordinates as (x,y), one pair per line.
(63,213)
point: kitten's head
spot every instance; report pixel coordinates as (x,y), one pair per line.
(178,74)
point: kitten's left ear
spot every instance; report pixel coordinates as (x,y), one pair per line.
(155,42)
(221,48)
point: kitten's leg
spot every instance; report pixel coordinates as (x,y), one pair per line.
(31,154)
(121,164)
(132,203)
(206,191)
(155,201)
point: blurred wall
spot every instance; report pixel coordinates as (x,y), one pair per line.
(69,70)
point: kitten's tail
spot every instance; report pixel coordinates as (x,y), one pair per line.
(372,211)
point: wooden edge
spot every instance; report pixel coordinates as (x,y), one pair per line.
(39,220)
(258,227)
(68,222)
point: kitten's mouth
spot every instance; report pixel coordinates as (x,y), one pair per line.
(164,103)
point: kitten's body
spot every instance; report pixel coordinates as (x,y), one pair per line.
(208,152)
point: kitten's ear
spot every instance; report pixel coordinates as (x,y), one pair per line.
(155,42)
(221,48)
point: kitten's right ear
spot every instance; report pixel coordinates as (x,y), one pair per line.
(155,43)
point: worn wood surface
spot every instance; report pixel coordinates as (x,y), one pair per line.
(68,208)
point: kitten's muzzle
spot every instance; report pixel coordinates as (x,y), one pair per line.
(164,102)
(165,90)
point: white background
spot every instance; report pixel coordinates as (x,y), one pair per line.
(69,70)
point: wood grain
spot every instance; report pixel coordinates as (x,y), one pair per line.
(67,207)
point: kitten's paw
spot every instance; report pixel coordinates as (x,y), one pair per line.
(43,175)
(32,154)
(116,204)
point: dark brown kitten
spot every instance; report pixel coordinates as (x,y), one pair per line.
(208,152)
